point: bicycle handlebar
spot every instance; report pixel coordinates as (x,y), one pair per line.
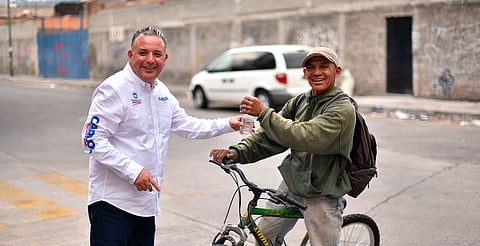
(284,196)
(228,166)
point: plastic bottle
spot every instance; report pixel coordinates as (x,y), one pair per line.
(248,122)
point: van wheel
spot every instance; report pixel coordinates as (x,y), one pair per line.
(199,98)
(264,97)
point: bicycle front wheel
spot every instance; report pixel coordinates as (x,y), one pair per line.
(359,229)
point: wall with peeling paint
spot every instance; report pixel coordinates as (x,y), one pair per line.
(445,36)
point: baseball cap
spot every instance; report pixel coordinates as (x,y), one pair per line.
(321,51)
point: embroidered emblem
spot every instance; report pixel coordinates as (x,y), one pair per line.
(163,99)
(135,100)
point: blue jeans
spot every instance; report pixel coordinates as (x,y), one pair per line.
(111,226)
(323,220)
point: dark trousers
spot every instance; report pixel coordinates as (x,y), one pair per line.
(110,226)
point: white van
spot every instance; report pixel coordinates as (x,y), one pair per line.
(273,73)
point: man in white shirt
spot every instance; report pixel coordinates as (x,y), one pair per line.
(126,134)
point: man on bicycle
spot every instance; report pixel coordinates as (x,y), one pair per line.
(318,139)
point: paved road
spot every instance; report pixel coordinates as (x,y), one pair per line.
(426,192)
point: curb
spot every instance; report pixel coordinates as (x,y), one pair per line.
(404,107)
(415,108)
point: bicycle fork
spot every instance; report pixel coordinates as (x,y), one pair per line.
(248,221)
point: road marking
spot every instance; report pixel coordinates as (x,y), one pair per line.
(33,203)
(67,183)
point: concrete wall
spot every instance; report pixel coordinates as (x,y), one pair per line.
(445,35)
(24,44)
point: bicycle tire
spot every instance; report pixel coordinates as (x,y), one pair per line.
(222,239)
(225,241)
(359,229)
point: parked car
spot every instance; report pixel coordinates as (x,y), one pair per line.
(273,73)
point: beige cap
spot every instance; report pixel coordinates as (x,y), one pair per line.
(321,51)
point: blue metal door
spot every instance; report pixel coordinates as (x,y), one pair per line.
(64,55)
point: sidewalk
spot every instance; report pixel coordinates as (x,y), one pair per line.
(395,106)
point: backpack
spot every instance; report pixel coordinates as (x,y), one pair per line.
(364,151)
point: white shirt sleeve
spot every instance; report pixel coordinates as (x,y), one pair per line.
(194,128)
(104,117)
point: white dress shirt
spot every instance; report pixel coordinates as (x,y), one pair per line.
(127,129)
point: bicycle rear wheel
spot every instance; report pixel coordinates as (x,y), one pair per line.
(359,229)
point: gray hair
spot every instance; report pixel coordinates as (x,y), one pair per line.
(149,30)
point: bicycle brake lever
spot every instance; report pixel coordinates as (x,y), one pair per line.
(227,161)
(284,196)
(273,197)
(224,167)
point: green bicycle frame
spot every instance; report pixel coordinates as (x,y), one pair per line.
(248,220)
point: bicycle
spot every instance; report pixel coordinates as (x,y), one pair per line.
(357,229)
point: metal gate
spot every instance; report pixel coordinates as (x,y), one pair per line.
(64,55)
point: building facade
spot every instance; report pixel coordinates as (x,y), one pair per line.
(424,48)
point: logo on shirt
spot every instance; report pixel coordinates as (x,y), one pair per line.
(163,99)
(135,100)
(90,132)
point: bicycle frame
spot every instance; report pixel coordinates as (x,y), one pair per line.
(248,220)
(357,229)
(252,211)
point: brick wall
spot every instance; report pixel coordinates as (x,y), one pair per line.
(444,36)
(447,37)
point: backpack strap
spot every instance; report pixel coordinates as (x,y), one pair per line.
(339,96)
(298,101)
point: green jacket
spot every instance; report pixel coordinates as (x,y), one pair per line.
(316,142)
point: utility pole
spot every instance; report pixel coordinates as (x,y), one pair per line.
(10,48)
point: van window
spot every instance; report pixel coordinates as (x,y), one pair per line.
(223,64)
(253,61)
(294,60)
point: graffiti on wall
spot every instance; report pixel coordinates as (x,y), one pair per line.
(451,51)
(446,81)
(318,37)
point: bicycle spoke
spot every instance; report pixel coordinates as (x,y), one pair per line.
(356,234)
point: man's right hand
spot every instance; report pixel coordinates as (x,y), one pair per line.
(218,154)
(251,105)
(146,182)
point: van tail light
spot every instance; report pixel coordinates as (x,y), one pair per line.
(281,78)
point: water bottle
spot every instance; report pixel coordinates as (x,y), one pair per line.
(248,121)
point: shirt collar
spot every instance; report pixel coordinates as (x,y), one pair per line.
(328,94)
(131,75)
